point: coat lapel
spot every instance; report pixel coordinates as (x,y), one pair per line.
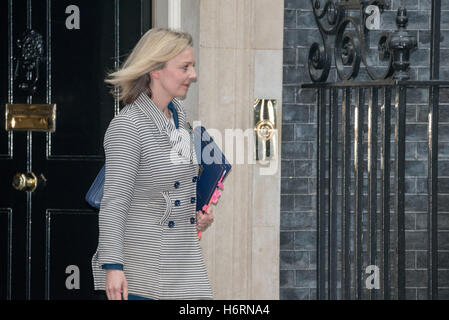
(150,109)
(180,140)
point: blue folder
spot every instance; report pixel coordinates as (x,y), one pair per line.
(213,166)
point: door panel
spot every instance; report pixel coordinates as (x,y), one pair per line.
(70,180)
(80,59)
(129,27)
(44,232)
(6,252)
(66,259)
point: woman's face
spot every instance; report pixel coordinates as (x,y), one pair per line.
(178,73)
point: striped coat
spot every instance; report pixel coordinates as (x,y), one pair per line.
(147,216)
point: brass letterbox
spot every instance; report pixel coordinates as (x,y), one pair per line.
(30,117)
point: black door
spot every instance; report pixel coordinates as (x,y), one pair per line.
(49,236)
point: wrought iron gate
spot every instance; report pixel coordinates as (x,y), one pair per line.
(341,108)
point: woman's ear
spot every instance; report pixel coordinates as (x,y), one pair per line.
(154,74)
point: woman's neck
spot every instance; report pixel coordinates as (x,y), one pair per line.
(162,104)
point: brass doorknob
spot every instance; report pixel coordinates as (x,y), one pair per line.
(28,182)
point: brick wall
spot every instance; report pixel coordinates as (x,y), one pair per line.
(298,168)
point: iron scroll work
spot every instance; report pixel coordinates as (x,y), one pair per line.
(371,236)
(352,40)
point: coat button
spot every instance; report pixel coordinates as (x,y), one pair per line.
(192,200)
(177,203)
(195,179)
(192,220)
(176,185)
(171,224)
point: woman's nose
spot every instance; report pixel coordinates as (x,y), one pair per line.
(193,75)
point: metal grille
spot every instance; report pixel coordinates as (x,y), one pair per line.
(357,216)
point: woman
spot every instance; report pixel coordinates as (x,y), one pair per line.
(148,245)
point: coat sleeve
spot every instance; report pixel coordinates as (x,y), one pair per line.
(122,150)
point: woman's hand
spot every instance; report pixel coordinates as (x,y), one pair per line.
(115,284)
(204,220)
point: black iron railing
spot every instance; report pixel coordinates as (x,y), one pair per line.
(341,108)
(348,102)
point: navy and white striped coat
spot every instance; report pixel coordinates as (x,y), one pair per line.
(147,216)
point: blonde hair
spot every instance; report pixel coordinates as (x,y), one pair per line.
(153,50)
